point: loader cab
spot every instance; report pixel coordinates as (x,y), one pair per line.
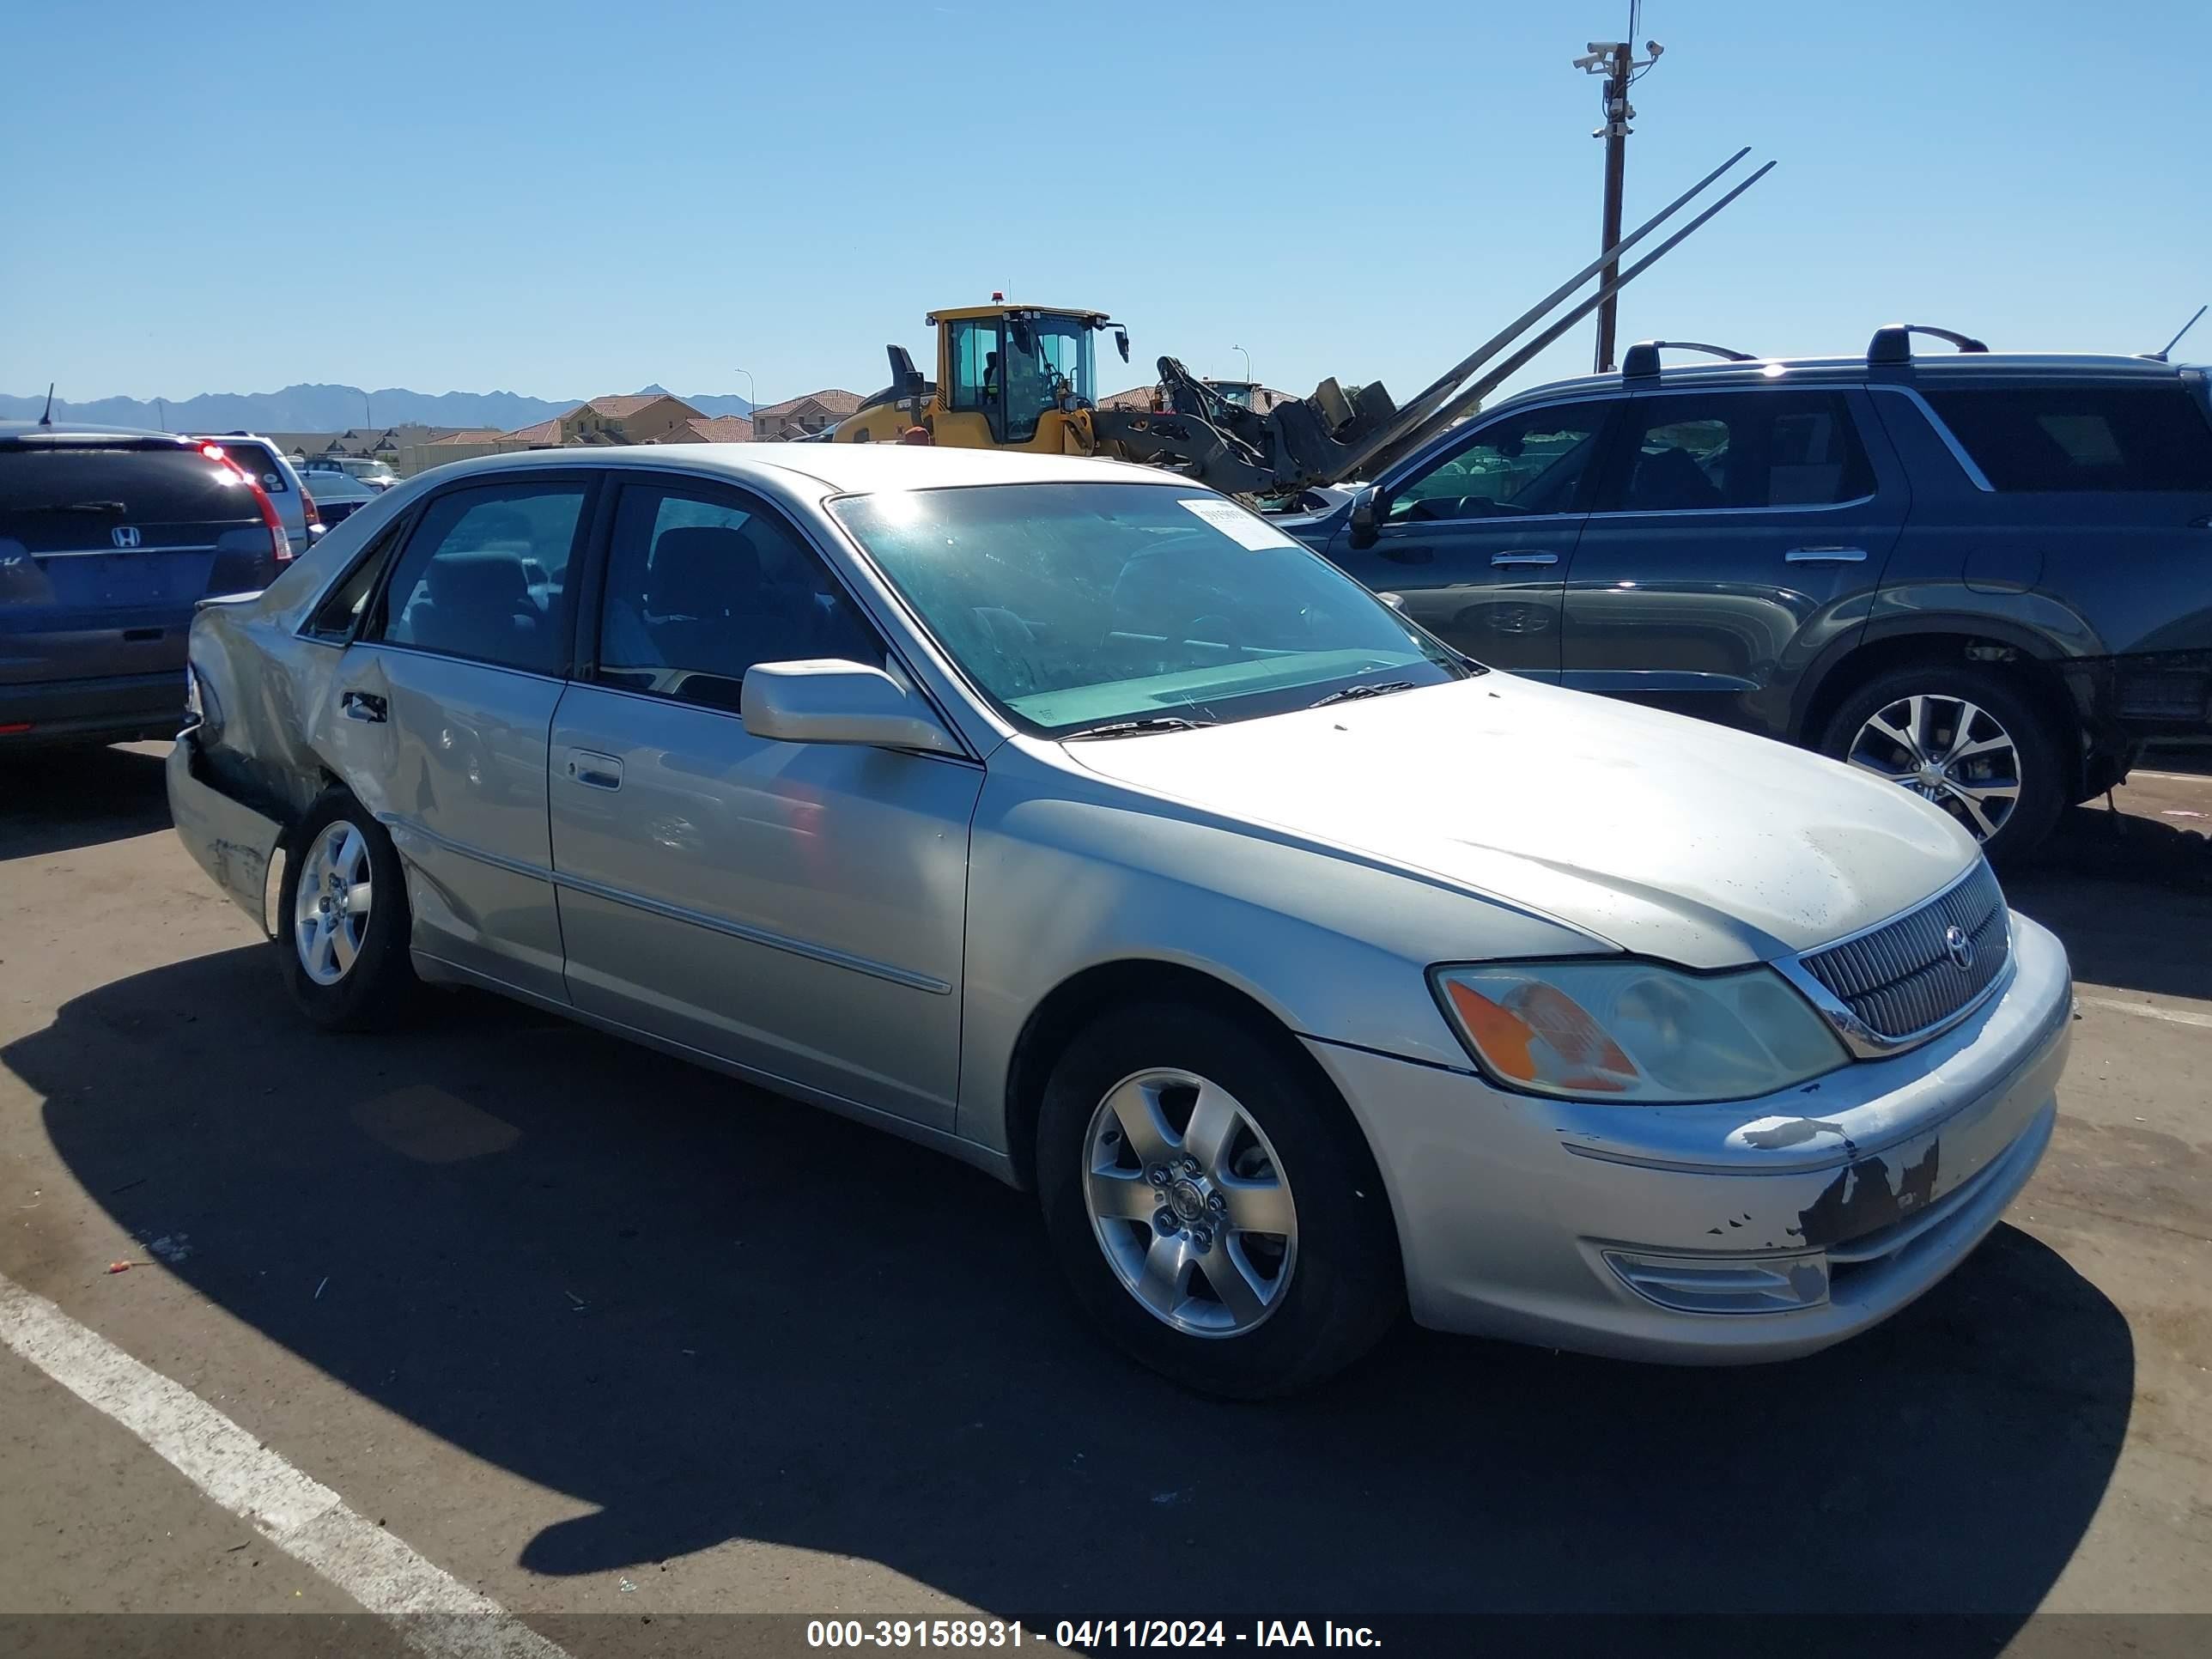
(1009,375)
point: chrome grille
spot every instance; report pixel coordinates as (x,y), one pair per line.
(1901,979)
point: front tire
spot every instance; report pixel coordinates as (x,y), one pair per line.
(1212,1205)
(343,919)
(1969,739)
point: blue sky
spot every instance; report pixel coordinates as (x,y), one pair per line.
(561,199)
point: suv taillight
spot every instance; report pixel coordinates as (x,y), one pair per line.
(280,545)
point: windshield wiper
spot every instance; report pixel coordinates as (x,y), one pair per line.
(1352,693)
(1138,729)
(78,507)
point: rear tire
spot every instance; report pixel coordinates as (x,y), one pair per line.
(1971,740)
(342,923)
(1268,1259)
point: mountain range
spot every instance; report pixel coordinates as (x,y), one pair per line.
(328,409)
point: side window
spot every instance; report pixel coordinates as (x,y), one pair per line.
(975,360)
(1515,465)
(1696,453)
(2087,437)
(701,586)
(484,575)
(333,619)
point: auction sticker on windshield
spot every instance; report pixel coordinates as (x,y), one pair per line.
(1234,522)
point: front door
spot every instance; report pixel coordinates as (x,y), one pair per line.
(1476,538)
(1737,535)
(795,908)
(439,715)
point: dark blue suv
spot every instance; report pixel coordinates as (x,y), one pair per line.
(108,540)
(1988,577)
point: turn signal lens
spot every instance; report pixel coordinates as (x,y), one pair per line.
(1636,1032)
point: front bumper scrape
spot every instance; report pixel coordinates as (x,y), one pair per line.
(234,844)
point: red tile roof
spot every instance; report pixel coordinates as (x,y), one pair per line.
(485,434)
(723,429)
(545,432)
(620,409)
(833,401)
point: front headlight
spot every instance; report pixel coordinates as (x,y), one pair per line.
(1635,1032)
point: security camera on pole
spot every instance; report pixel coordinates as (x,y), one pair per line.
(1616,61)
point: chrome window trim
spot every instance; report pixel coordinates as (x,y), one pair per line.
(132,552)
(1975,476)
(661,700)
(1717,512)
(1864,1042)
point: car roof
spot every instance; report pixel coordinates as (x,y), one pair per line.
(1993,366)
(67,432)
(830,469)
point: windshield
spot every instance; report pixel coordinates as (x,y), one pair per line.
(1072,605)
(369,471)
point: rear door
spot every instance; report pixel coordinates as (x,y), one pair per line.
(439,711)
(1737,534)
(1476,537)
(104,552)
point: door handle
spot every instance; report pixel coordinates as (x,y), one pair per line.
(1402,554)
(1826,555)
(362,706)
(1523,556)
(595,770)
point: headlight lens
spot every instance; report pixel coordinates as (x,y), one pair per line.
(1635,1032)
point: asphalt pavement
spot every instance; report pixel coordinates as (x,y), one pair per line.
(600,1340)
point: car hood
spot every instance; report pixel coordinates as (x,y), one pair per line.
(1660,835)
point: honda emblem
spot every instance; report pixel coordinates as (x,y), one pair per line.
(125,535)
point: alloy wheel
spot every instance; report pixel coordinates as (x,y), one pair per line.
(1948,750)
(330,906)
(1190,1203)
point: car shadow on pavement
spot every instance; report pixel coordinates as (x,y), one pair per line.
(716,1315)
(60,799)
(2131,897)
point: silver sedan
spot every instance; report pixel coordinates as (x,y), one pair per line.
(1077,822)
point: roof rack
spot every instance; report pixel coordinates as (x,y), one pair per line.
(1642,361)
(1893,344)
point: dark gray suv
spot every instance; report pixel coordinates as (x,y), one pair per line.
(1988,577)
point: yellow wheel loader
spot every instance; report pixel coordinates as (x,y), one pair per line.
(1020,377)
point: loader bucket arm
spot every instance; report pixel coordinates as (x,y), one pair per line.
(1333,436)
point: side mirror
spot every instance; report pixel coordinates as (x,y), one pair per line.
(827,700)
(1367,513)
(1121,340)
(1395,601)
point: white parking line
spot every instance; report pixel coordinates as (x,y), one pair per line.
(2175,777)
(432,1611)
(2174,1016)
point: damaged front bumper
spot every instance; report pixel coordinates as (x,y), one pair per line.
(233,843)
(1758,1230)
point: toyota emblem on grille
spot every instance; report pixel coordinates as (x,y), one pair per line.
(1959,946)
(125,535)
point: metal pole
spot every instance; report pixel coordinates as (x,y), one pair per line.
(1247,365)
(1616,166)
(161,405)
(752,395)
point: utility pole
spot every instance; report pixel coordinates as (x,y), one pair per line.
(1616,61)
